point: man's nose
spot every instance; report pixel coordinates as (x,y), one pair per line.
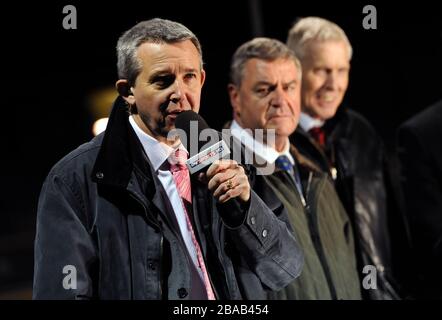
(278,97)
(177,92)
(331,81)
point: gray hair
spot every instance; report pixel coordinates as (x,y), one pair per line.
(156,31)
(315,29)
(259,48)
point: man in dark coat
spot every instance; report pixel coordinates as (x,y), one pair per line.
(420,151)
(265,95)
(120,218)
(343,144)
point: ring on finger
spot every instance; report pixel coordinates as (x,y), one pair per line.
(229,184)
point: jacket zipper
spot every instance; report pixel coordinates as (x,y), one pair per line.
(312,220)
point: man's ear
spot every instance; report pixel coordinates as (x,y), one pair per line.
(234,99)
(203,76)
(125,91)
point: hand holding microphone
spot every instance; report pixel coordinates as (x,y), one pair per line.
(226,178)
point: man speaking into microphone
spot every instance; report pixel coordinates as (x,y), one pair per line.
(120,217)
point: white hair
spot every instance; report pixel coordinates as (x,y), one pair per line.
(315,29)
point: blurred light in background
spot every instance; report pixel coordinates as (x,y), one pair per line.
(99,126)
(100,104)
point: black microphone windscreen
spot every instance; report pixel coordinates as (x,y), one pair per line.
(192,138)
(184,119)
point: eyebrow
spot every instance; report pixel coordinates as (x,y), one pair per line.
(167,73)
(159,73)
(190,70)
(266,83)
(294,81)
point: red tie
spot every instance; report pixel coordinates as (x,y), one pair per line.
(181,177)
(319,135)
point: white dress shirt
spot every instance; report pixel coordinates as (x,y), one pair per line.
(158,153)
(306,122)
(263,151)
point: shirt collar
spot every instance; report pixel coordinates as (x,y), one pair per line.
(306,122)
(265,152)
(157,152)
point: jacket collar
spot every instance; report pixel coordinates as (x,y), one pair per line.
(303,162)
(156,151)
(338,123)
(338,126)
(332,126)
(121,152)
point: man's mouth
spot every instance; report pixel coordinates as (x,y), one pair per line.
(279,116)
(327,98)
(173,114)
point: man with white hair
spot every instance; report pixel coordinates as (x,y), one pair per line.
(344,144)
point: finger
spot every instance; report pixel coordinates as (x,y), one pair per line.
(223,176)
(241,191)
(230,194)
(225,186)
(221,165)
(220,178)
(240,184)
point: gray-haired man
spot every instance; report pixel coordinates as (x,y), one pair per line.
(265,95)
(120,218)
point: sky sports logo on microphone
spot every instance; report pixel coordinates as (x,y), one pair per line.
(208,156)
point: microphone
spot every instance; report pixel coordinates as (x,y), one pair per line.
(194,131)
(205,145)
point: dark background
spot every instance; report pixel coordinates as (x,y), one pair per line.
(49,73)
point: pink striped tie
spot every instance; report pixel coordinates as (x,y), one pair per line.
(181,177)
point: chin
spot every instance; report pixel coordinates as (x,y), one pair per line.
(326,113)
(284,131)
